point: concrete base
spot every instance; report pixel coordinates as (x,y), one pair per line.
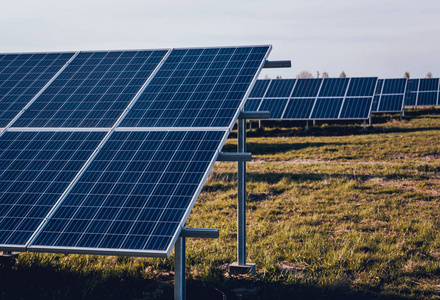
(237,269)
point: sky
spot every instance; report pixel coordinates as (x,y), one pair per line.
(360,37)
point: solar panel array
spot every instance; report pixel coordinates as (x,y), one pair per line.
(389,96)
(314,98)
(423,92)
(111,156)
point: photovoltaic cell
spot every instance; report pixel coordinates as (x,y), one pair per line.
(334,87)
(427,98)
(252,104)
(306,88)
(299,108)
(259,89)
(135,193)
(327,108)
(35,170)
(93,90)
(390,103)
(362,86)
(22,76)
(411,92)
(356,108)
(197,88)
(274,106)
(394,86)
(280,88)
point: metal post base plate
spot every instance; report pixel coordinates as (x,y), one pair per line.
(237,269)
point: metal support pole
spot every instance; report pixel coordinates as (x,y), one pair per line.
(241,207)
(179,269)
(250,125)
(370,120)
(314,122)
(365,124)
(307,125)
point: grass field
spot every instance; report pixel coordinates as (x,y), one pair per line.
(334,213)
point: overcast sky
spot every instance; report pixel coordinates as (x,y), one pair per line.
(361,37)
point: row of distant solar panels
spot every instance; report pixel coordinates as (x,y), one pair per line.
(340,98)
(113,186)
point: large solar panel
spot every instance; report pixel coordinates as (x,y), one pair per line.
(133,187)
(423,92)
(35,170)
(135,193)
(93,91)
(389,95)
(316,99)
(197,88)
(22,77)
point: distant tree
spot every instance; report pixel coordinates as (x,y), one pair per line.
(428,75)
(266,76)
(342,75)
(406,75)
(317,74)
(304,74)
(278,77)
(325,75)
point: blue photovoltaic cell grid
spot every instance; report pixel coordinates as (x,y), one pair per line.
(390,103)
(379,87)
(327,108)
(427,98)
(411,92)
(35,169)
(306,88)
(334,87)
(391,95)
(375,103)
(259,88)
(280,88)
(252,104)
(135,193)
(22,76)
(93,90)
(356,108)
(299,108)
(362,86)
(274,106)
(394,86)
(429,85)
(197,88)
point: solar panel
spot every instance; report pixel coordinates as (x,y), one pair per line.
(317,98)
(134,194)
(326,108)
(98,188)
(334,87)
(22,77)
(253,104)
(36,168)
(274,106)
(280,88)
(93,91)
(299,108)
(259,89)
(197,88)
(390,95)
(422,92)
(356,108)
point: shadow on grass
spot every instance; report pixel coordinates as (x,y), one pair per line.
(56,283)
(268,149)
